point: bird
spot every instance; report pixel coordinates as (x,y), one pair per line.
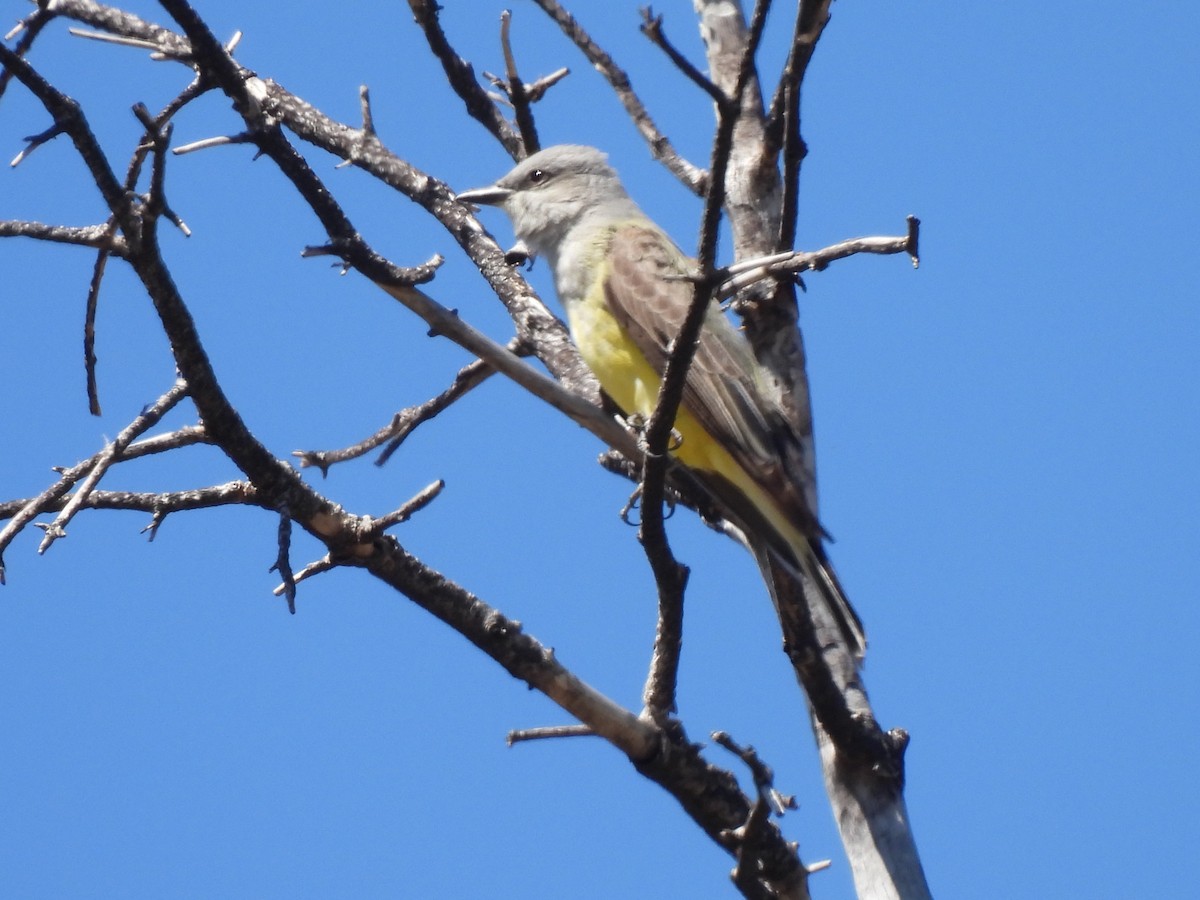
(626,287)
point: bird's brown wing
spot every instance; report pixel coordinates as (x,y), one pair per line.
(649,295)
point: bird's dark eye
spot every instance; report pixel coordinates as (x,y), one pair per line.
(537,176)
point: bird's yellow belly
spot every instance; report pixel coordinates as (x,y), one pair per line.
(633,385)
(629,379)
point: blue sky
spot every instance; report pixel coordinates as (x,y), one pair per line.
(1006,438)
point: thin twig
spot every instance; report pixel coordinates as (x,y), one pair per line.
(218,141)
(283,559)
(31,25)
(811,18)
(652,27)
(516,91)
(764,776)
(325,564)
(403,423)
(782,129)
(409,275)
(154,206)
(469,377)
(158,138)
(33,141)
(753,837)
(91,306)
(407,510)
(537,89)
(364,104)
(158,51)
(110,455)
(548,732)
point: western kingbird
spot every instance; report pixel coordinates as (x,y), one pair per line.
(625,287)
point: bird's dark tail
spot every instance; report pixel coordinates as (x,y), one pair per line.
(817,580)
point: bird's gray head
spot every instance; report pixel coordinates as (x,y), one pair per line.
(550,193)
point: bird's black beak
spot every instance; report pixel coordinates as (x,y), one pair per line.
(486,196)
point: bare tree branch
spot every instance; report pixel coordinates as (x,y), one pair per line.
(21,512)
(283,562)
(29,28)
(548,732)
(862,766)
(660,146)
(221,421)
(159,503)
(462,78)
(652,27)
(147,420)
(794,262)
(515,88)
(783,120)
(408,509)
(96,236)
(54,498)
(745,874)
(404,422)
